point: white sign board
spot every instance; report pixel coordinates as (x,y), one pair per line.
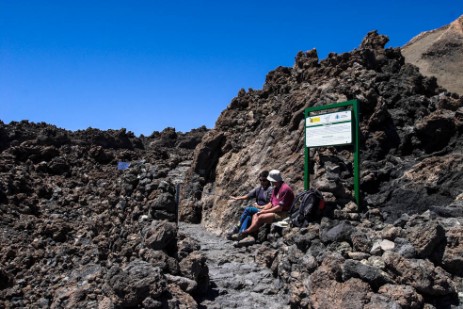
(329,129)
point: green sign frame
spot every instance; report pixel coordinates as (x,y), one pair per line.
(353,104)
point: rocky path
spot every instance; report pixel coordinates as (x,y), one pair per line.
(237,281)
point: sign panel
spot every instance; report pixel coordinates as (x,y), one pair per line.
(329,129)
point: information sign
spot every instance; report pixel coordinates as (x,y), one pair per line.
(333,129)
(329,129)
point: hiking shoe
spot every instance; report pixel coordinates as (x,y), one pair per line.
(241,235)
(246,241)
(232,232)
(235,236)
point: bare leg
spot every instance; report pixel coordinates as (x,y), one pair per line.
(254,219)
(258,220)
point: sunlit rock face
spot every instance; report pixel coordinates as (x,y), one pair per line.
(439,53)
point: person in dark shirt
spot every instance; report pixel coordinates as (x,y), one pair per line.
(277,209)
(261,194)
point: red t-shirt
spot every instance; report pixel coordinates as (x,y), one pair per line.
(283,196)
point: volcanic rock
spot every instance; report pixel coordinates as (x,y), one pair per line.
(78,232)
(389,251)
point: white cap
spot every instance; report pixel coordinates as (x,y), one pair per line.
(274,176)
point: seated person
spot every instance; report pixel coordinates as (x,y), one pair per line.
(277,209)
(261,194)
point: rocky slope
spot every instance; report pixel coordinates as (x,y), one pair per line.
(439,53)
(411,145)
(76,232)
(402,246)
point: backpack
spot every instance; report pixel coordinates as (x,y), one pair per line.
(307,207)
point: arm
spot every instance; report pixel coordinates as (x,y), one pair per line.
(239,198)
(284,199)
(271,209)
(248,196)
(264,207)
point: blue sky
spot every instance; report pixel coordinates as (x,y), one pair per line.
(145,65)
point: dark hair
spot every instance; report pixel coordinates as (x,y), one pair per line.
(263,174)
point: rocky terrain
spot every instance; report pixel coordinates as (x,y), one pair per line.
(439,53)
(78,230)
(239,277)
(403,246)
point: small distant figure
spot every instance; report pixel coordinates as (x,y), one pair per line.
(277,209)
(261,194)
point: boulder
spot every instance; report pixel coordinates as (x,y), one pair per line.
(135,283)
(422,275)
(160,235)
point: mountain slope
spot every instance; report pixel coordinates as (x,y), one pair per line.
(410,136)
(401,247)
(439,53)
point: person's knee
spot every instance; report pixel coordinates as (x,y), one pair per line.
(267,219)
(260,219)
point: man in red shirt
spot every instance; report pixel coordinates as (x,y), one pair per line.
(278,207)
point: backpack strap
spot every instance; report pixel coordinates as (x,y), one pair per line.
(298,196)
(321,200)
(304,195)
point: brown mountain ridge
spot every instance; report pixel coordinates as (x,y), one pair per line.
(439,53)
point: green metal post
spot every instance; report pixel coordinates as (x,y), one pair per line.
(306,154)
(356,153)
(356,148)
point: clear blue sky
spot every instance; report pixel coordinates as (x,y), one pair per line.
(145,65)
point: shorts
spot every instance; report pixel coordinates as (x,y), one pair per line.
(278,216)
